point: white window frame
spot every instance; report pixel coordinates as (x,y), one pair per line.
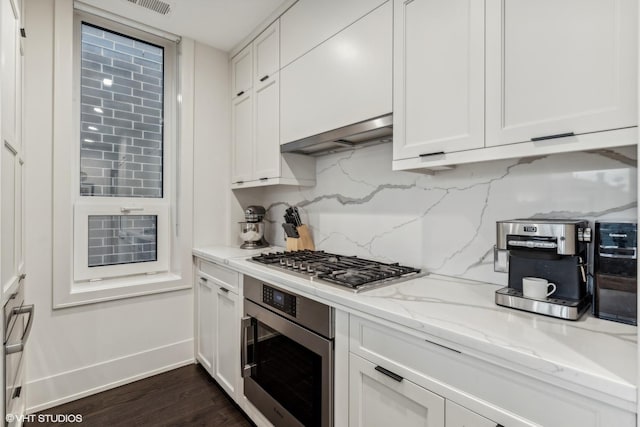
(74,282)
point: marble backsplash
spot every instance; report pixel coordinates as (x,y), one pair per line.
(446,223)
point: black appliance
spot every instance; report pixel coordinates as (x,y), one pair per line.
(347,272)
(615,271)
(552,249)
(287,355)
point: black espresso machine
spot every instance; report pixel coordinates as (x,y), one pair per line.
(552,249)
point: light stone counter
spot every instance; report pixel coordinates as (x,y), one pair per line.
(590,356)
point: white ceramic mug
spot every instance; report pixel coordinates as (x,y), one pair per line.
(537,287)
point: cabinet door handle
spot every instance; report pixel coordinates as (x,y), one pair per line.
(437,153)
(559,135)
(264,78)
(239,182)
(240,93)
(225,290)
(264,179)
(388,373)
(18,347)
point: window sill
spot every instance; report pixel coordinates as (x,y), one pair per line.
(82,293)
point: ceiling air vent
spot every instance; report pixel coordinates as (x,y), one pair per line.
(154,5)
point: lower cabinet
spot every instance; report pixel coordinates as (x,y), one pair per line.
(459,416)
(378,397)
(218,324)
(399,378)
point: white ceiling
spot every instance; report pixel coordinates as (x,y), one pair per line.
(219,23)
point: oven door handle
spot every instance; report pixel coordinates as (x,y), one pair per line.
(245,368)
(25,309)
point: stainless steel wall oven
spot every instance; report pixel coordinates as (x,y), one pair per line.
(287,355)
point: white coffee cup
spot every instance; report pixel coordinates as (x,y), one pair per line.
(537,287)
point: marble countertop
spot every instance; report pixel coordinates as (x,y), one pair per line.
(590,356)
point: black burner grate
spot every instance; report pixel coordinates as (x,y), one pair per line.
(349,271)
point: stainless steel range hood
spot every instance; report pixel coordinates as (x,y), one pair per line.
(369,132)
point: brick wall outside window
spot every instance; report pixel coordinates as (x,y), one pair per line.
(121,116)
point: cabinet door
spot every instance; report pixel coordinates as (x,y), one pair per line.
(242,151)
(375,399)
(266,143)
(227,340)
(438,76)
(10,72)
(205,309)
(266,48)
(556,67)
(345,80)
(459,416)
(242,72)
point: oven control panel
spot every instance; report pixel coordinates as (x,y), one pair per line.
(280,300)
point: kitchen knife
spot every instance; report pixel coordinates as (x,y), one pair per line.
(296,216)
(290,230)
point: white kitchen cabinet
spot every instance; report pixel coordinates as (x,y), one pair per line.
(204,323)
(376,399)
(310,22)
(458,416)
(11,149)
(218,324)
(267,128)
(255,116)
(226,335)
(556,76)
(242,72)
(438,87)
(489,391)
(266,49)
(345,80)
(242,137)
(555,68)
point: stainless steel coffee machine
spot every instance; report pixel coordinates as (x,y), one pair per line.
(555,250)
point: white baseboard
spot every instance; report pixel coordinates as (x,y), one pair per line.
(44,393)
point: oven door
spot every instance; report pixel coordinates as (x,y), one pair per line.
(287,369)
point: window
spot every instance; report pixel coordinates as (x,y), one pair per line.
(121,208)
(117,179)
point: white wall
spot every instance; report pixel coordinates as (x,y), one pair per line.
(212,155)
(78,351)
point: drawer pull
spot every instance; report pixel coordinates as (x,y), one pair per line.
(240,93)
(388,373)
(560,135)
(444,346)
(224,290)
(264,78)
(437,153)
(264,178)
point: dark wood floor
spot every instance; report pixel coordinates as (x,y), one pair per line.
(183,397)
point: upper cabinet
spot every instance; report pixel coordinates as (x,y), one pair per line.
(558,67)
(310,22)
(542,77)
(344,80)
(242,72)
(439,76)
(255,117)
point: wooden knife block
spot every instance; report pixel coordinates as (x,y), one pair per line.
(303,242)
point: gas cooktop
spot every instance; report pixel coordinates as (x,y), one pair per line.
(349,272)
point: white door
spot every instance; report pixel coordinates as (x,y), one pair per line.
(438,104)
(459,416)
(377,400)
(266,143)
(227,340)
(266,48)
(242,147)
(205,308)
(560,67)
(242,72)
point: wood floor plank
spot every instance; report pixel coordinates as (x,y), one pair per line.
(186,396)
